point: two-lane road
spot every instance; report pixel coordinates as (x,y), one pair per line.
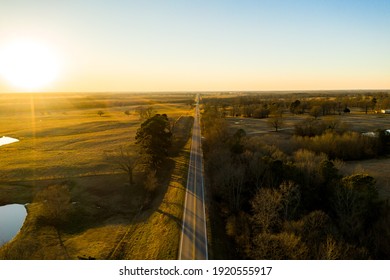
(193,245)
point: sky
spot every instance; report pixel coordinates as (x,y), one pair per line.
(206,45)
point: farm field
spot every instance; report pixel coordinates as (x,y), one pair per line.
(63,136)
(358,122)
(64,141)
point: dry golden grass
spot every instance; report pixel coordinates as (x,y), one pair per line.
(67,142)
(62,138)
(163,220)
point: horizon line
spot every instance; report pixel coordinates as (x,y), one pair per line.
(198,91)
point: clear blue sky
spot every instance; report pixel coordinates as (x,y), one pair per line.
(120,45)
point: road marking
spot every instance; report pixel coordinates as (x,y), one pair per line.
(194,169)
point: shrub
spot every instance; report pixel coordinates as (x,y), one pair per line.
(346,146)
(282,246)
(56,205)
(313,127)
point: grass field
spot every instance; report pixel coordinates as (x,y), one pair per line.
(357,121)
(63,139)
(60,139)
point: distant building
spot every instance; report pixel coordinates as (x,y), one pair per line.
(370,134)
(385,111)
(376,133)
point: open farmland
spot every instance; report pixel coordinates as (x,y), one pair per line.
(64,141)
(63,136)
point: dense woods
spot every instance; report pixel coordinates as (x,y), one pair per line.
(297,205)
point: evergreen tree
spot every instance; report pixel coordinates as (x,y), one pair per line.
(154,137)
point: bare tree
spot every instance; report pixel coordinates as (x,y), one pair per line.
(279,246)
(354,203)
(345,204)
(290,199)
(145,112)
(235,184)
(125,160)
(257,168)
(276,122)
(266,208)
(330,249)
(333,123)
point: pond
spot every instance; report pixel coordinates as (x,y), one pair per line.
(7,140)
(11,220)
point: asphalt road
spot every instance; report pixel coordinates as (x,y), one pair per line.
(193,244)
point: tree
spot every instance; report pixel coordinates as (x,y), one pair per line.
(315,231)
(295,107)
(126,161)
(354,204)
(154,138)
(326,107)
(290,199)
(261,112)
(236,142)
(100,113)
(373,103)
(145,112)
(234,182)
(276,122)
(308,167)
(281,246)
(267,205)
(315,111)
(127,113)
(333,123)
(56,205)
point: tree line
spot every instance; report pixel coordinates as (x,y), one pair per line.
(262,106)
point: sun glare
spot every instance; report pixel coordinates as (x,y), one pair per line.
(28,65)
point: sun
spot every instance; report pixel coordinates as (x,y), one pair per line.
(28,65)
